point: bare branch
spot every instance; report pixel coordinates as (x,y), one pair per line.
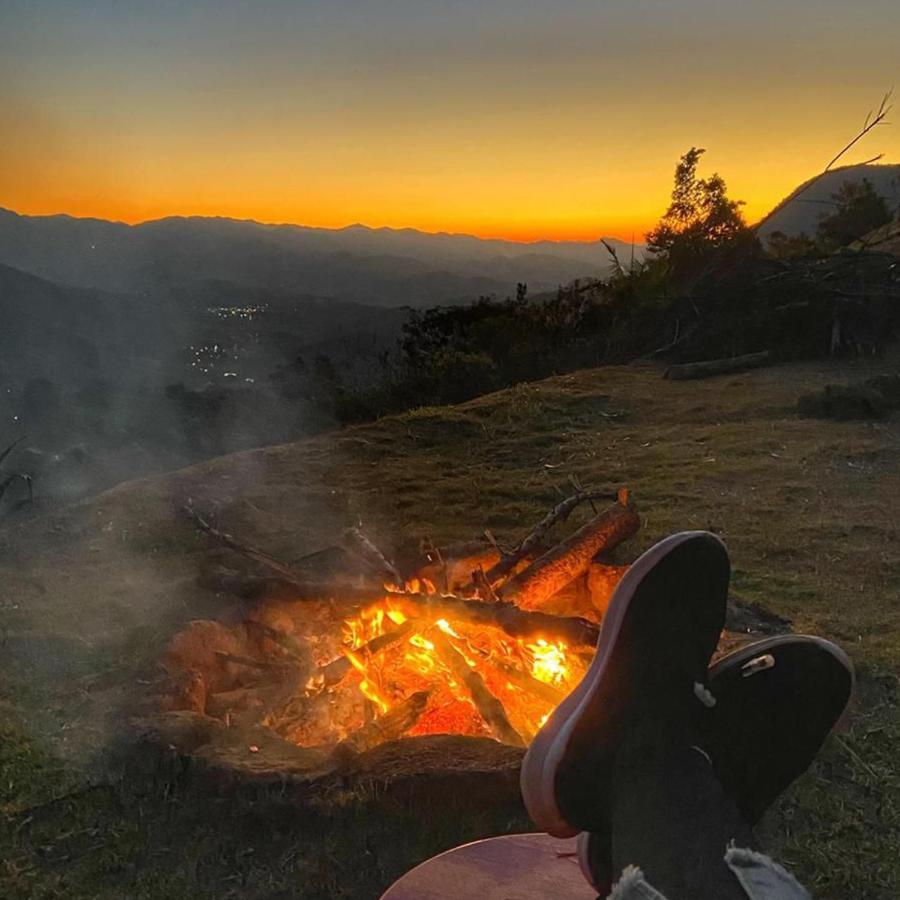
(10,448)
(872,121)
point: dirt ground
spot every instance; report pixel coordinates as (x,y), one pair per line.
(810,510)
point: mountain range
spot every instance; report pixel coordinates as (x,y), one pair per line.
(379,266)
(375,266)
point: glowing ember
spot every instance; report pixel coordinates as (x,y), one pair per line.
(390,670)
(528,678)
(548,661)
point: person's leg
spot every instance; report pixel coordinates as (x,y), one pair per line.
(659,632)
(775,703)
(672,819)
(676,834)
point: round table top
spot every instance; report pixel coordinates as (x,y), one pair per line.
(512,867)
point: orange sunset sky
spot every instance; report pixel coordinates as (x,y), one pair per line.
(513,119)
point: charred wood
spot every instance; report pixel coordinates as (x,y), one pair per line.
(489,707)
(334,672)
(260,556)
(529,683)
(483,586)
(358,543)
(389,727)
(510,618)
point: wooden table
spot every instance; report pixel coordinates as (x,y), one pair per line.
(513,867)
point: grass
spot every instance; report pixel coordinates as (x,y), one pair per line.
(809,509)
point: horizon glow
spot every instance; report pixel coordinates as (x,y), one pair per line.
(520,120)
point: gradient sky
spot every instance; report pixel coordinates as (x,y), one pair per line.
(508,118)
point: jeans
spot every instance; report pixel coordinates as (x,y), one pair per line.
(760,877)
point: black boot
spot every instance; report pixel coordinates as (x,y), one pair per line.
(775,703)
(672,819)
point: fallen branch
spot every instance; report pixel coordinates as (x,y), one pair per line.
(284,570)
(358,543)
(708,368)
(874,119)
(489,707)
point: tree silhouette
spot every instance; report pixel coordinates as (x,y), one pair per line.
(700,218)
(859,210)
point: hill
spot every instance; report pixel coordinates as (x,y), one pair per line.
(380,266)
(807,508)
(800,211)
(90,378)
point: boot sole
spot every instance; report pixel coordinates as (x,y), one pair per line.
(548,751)
(730,681)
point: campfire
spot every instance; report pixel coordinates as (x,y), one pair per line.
(473,640)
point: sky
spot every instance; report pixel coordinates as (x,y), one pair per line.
(501,118)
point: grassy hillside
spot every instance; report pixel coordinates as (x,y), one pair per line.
(808,509)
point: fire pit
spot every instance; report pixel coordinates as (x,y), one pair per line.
(352,663)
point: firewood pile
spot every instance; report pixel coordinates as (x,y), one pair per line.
(349,649)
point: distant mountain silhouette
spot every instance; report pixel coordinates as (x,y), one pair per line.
(800,211)
(382,266)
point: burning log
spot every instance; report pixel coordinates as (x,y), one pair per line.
(489,707)
(514,621)
(389,727)
(529,588)
(571,558)
(601,582)
(530,684)
(534,540)
(334,672)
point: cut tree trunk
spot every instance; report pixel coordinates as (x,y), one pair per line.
(531,588)
(710,367)
(535,538)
